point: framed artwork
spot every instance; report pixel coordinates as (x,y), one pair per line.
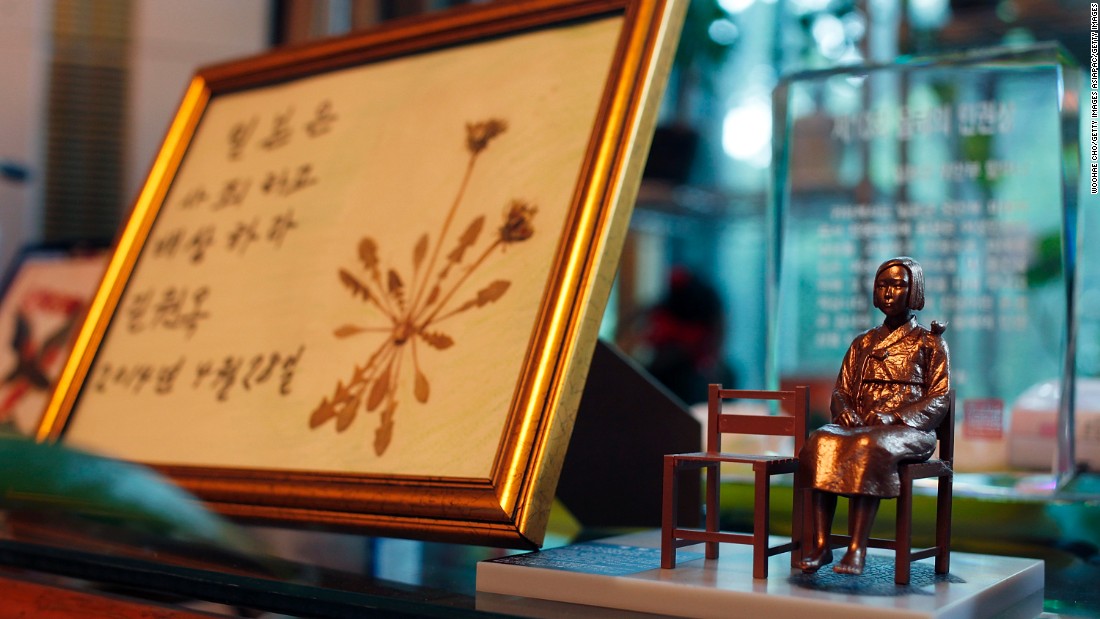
(45,295)
(362,284)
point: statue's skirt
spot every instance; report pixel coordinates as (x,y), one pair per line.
(862,460)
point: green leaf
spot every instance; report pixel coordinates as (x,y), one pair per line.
(90,491)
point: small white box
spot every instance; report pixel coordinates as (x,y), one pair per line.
(1032,436)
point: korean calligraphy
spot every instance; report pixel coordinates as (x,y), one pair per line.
(234,192)
(249,208)
(235,237)
(222,377)
(174,308)
(279,129)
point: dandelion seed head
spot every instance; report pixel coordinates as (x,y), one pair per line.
(479,134)
(517,222)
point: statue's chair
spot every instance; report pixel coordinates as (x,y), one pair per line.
(673,536)
(939,468)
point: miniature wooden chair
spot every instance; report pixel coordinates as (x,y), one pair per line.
(674,536)
(940,468)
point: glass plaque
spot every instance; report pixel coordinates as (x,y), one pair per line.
(970,164)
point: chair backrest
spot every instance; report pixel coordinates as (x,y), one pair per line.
(945,432)
(795,402)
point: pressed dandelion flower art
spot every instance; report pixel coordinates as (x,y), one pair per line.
(413,311)
(362,284)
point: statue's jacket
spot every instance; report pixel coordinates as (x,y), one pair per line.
(896,384)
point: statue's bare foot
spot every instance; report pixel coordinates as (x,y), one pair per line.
(817,558)
(852,563)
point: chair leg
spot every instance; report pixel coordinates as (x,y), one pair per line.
(943,524)
(761,517)
(669,497)
(809,524)
(713,473)
(797,522)
(904,540)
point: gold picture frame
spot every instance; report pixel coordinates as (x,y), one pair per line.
(362,284)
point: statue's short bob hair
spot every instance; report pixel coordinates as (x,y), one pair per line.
(916,279)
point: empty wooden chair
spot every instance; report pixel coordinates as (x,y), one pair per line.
(673,536)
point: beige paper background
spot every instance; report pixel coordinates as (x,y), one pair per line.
(389,169)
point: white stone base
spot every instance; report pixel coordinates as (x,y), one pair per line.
(623,573)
